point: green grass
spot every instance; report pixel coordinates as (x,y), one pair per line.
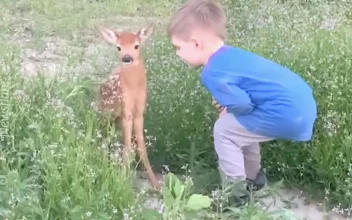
(53,162)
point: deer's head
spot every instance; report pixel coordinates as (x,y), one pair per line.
(128,44)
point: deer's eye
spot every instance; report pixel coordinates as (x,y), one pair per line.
(136,47)
(118,48)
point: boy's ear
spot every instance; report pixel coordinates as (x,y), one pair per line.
(198,44)
(145,33)
(109,35)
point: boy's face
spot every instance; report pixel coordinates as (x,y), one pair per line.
(189,51)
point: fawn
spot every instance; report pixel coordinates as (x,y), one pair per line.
(124,93)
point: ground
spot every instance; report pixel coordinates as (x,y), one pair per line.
(53,160)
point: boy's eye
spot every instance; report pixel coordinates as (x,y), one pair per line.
(136,47)
(118,48)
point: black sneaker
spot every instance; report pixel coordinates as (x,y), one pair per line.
(258,183)
(235,197)
(253,185)
(238,201)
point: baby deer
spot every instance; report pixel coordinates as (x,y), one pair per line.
(125,92)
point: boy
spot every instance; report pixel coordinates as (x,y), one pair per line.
(259,99)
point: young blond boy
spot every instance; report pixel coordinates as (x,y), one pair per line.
(259,99)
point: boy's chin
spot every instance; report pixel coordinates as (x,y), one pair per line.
(194,66)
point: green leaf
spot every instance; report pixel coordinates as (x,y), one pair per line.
(192,214)
(175,186)
(171,180)
(178,189)
(198,201)
(149,214)
(168,198)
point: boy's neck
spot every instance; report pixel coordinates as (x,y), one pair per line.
(212,48)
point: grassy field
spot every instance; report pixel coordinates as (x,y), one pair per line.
(53,162)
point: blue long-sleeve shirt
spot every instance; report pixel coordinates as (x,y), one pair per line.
(265,97)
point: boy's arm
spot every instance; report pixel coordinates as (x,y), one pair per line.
(234,98)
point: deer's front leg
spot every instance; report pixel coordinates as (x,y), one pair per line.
(127,123)
(138,124)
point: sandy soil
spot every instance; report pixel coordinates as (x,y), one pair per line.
(288,199)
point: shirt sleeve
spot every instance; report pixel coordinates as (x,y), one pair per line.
(228,94)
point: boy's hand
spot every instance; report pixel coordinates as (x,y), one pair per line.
(223,112)
(216,104)
(221,109)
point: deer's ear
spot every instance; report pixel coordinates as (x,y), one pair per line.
(109,35)
(145,33)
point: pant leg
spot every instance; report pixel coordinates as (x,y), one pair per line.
(252,160)
(237,149)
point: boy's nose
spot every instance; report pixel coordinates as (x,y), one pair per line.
(127,59)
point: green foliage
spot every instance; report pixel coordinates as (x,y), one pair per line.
(179,201)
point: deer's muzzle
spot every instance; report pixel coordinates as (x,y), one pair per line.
(127,59)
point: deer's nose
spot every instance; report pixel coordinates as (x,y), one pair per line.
(127,59)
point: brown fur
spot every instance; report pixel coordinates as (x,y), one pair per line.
(125,93)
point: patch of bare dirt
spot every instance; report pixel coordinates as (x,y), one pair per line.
(288,199)
(48,61)
(92,55)
(294,201)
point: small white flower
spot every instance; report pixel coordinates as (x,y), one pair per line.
(88,214)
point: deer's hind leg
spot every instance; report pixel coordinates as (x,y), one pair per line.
(138,124)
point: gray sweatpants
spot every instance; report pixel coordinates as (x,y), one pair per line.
(238,150)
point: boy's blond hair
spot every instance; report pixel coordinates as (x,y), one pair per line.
(204,14)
